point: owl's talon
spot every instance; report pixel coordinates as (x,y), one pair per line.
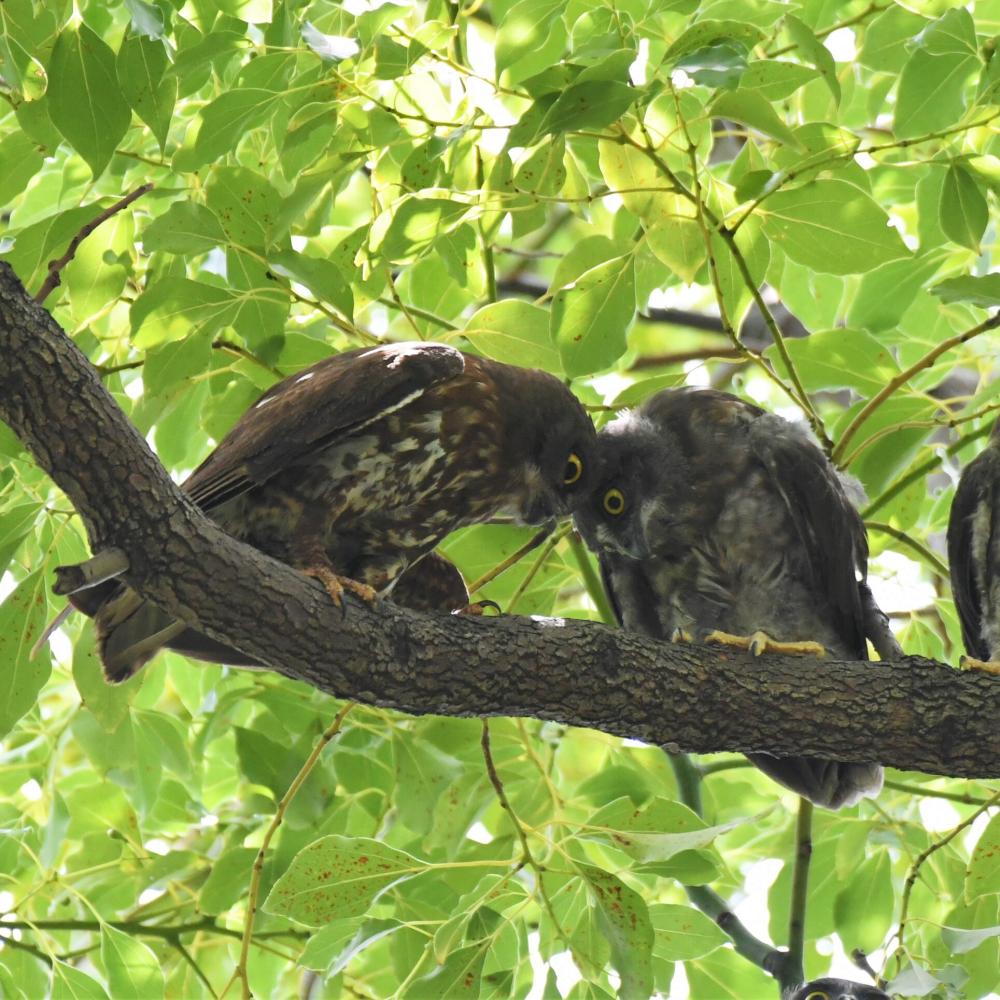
(681,635)
(336,585)
(985,666)
(477,609)
(760,642)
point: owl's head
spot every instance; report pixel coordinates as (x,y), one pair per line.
(549,439)
(636,496)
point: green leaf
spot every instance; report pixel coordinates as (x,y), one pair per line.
(978,290)
(184,228)
(831,226)
(21,159)
(414,225)
(322,277)
(524,29)
(704,33)
(750,108)
(228,118)
(514,332)
(22,619)
(227,881)
(141,64)
(173,308)
(932,84)
(337,877)
(85,100)
(591,105)
(624,920)
(69,983)
(133,970)
(863,910)
(983,873)
(964,214)
(720,65)
(839,359)
(959,941)
(591,316)
(655,832)
(246,204)
(424,771)
(814,52)
(543,171)
(682,932)
(775,79)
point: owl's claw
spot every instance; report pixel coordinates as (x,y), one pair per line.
(760,642)
(478,608)
(986,666)
(681,635)
(336,585)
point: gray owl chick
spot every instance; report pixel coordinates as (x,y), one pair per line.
(712,515)
(837,989)
(974,554)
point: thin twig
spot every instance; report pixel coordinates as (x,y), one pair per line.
(52,279)
(595,589)
(539,562)
(911,878)
(512,560)
(279,815)
(903,377)
(911,543)
(934,793)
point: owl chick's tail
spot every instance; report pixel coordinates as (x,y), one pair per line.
(826,783)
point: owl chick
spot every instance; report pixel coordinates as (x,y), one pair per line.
(712,516)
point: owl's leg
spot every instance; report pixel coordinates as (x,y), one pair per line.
(310,556)
(986,666)
(681,635)
(760,642)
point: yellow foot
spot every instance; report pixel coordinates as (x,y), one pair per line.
(681,635)
(478,608)
(336,585)
(760,642)
(987,666)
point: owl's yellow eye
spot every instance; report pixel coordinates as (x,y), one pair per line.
(614,501)
(573,470)
(818,995)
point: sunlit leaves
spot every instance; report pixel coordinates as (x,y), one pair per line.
(831,226)
(85,99)
(22,618)
(514,332)
(964,213)
(339,877)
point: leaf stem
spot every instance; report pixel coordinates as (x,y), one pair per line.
(800,888)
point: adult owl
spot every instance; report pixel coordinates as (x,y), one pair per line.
(974,555)
(354,469)
(713,518)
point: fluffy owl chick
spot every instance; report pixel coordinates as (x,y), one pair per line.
(712,515)
(837,989)
(974,555)
(354,469)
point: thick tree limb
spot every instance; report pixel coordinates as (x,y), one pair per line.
(914,714)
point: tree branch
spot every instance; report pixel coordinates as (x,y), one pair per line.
(914,714)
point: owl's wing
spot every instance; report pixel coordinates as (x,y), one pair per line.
(974,488)
(831,531)
(631,594)
(308,411)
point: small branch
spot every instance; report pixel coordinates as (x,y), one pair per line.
(52,279)
(911,543)
(800,890)
(279,815)
(595,589)
(873,8)
(914,871)
(410,311)
(241,352)
(167,932)
(512,560)
(536,566)
(934,793)
(903,377)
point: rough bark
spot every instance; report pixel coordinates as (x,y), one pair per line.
(914,714)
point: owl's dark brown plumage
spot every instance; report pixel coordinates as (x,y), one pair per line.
(711,514)
(366,460)
(974,551)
